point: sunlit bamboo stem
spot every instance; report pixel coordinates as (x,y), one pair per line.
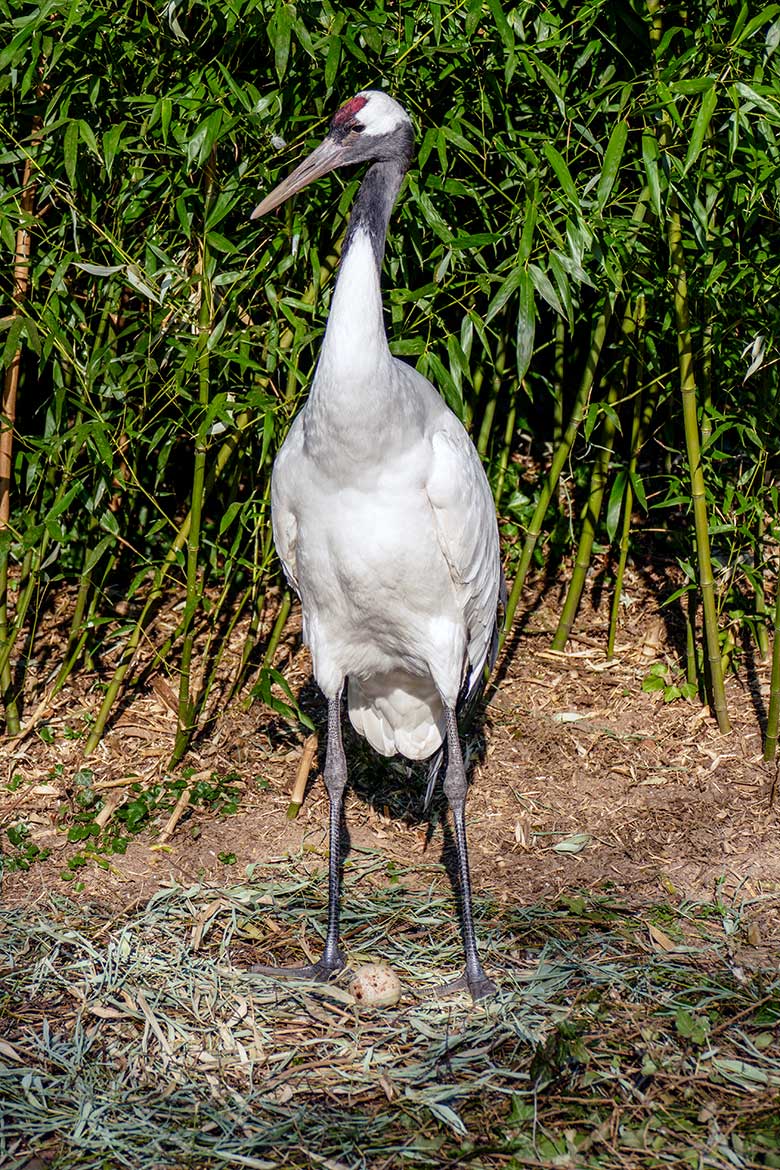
(564,448)
(773,718)
(21,282)
(590,519)
(205,318)
(640,421)
(696,472)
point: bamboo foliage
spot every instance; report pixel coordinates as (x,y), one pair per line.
(162,344)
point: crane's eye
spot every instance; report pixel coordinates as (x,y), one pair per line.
(357,127)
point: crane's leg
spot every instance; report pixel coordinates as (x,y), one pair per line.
(335,776)
(473,978)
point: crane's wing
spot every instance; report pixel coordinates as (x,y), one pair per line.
(283,521)
(467,529)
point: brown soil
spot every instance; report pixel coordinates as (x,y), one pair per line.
(672,809)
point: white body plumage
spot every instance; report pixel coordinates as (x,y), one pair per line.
(385,523)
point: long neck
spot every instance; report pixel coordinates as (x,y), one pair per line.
(355,340)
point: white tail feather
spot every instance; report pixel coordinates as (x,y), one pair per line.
(397,713)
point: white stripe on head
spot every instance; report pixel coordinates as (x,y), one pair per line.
(381,114)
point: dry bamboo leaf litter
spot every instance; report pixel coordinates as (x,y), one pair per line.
(132,1041)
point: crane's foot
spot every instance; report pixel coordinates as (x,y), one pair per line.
(320,972)
(475,982)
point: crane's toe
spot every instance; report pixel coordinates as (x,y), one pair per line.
(320,972)
(476,982)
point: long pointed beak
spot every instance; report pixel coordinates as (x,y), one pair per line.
(328,155)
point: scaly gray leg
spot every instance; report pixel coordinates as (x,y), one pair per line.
(335,777)
(473,978)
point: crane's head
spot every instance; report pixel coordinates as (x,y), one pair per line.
(369,127)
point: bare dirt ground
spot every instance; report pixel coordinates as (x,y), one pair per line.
(585,782)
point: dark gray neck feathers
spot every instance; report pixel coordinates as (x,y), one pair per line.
(378,192)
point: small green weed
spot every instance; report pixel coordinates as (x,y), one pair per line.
(219,794)
(24,852)
(661,677)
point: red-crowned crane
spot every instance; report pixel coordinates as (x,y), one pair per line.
(384,521)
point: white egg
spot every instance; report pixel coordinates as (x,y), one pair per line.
(376,985)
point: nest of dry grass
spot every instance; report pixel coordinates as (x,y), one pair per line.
(619,1038)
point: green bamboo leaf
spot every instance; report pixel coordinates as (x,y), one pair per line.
(459,140)
(63,503)
(13,340)
(639,490)
(279,32)
(442,379)
(200,145)
(473,16)
(574,844)
(94,555)
(700,127)
(7,233)
(87,135)
(332,61)
(562,284)
(229,515)
(772,39)
(433,217)
(506,288)
(526,325)
(70,149)
(529,225)
(755,22)
(111,141)
(591,418)
(32,335)
(269,430)
(763,103)
(545,289)
(224,203)
(562,174)
(166,112)
(220,243)
(650,159)
(615,503)
(304,40)
(502,24)
(459,366)
(137,280)
(98,269)
(427,145)
(612,159)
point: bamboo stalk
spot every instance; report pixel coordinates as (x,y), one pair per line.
(693,447)
(259,601)
(205,314)
(598,484)
(506,450)
(773,718)
(21,284)
(274,637)
(559,368)
(639,424)
(278,629)
(178,543)
(490,406)
(688,391)
(559,458)
(762,637)
(564,448)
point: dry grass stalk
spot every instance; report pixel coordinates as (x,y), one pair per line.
(302,777)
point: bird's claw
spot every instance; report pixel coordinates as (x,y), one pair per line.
(320,972)
(476,982)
